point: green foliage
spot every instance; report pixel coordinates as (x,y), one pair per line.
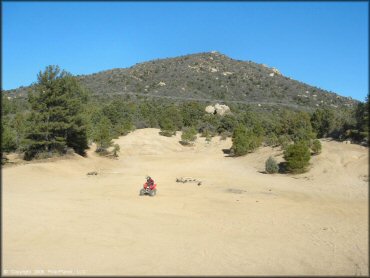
(227,123)
(244,141)
(208,125)
(55,121)
(323,122)
(316,146)
(297,126)
(103,135)
(297,157)
(8,140)
(192,113)
(271,166)
(189,135)
(362,120)
(174,114)
(168,128)
(18,124)
(272,140)
(253,122)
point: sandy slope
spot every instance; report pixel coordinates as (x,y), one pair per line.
(238,222)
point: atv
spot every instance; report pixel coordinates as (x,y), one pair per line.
(149,190)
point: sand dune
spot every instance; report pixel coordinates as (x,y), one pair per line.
(58,220)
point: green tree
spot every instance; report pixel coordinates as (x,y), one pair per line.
(192,113)
(323,122)
(297,157)
(189,135)
(244,141)
(8,138)
(19,126)
(362,120)
(168,128)
(227,124)
(55,120)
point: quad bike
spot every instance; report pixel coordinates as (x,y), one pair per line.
(150,190)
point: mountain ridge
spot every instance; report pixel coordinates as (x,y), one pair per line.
(207,76)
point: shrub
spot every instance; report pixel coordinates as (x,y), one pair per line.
(272,140)
(244,141)
(167,127)
(297,157)
(8,143)
(271,166)
(284,141)
(188,135)
(316,146)
(116,149)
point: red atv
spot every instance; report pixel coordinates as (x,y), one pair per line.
(151,190)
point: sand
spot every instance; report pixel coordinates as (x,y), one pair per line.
(59,221)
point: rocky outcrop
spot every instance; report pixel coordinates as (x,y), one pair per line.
(219,109)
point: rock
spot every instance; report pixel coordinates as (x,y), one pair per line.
(222,109)
(210,109)
(275,70)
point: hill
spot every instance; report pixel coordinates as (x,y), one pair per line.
(209,76)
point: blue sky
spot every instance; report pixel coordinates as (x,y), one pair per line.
(324,44)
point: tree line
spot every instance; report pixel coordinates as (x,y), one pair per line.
(60,115)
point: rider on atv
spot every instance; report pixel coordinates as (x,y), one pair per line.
(149,182)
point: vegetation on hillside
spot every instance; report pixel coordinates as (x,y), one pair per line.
(60,113)
(209,76)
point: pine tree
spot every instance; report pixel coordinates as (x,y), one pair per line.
(297,157)
(55,122)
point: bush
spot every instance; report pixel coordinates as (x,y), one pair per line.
(284,141)
(271,166)
(272,140)
(316,146)
(8,143)
(297,157)
(167,127)
(244,141)
(188,135)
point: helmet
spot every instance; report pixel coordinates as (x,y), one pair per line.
(147,178)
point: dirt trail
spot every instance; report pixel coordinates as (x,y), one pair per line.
(238,222)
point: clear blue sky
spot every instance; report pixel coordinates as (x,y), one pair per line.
(324,44)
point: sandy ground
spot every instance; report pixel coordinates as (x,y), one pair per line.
(240,221)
